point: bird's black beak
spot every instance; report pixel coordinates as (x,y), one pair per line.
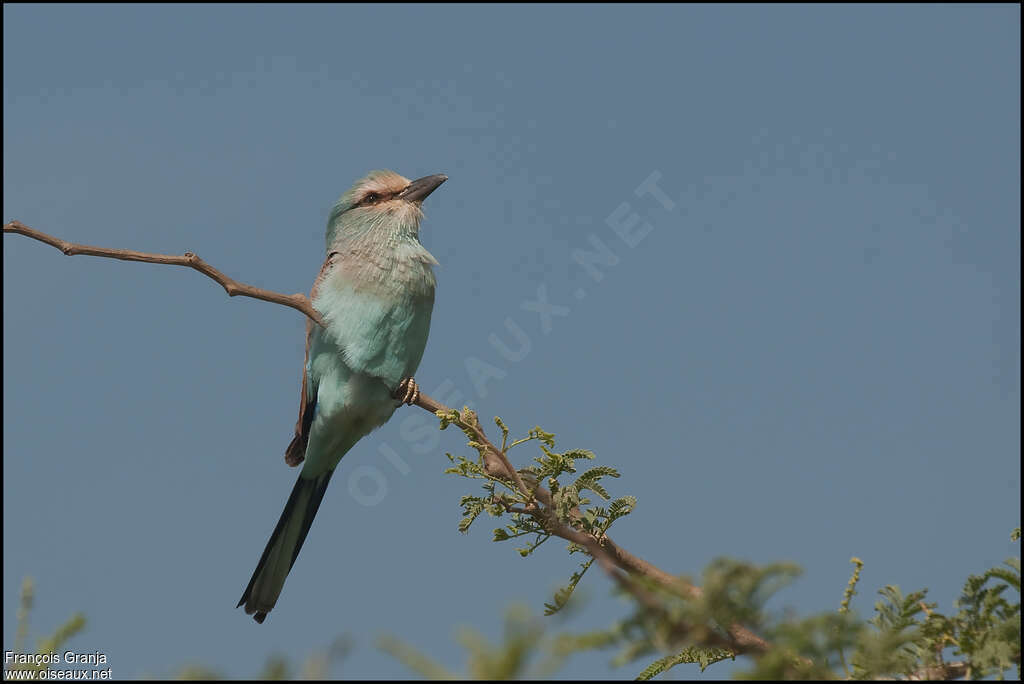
(419,189)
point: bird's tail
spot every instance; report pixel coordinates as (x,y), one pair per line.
(283,547)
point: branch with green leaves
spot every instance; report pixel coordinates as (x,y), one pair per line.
(553,511)
(906,638)
(563,510)
(550,509)
(702,623)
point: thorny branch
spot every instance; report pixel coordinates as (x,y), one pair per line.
(618,563)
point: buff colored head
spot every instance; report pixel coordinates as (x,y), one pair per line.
(381,199)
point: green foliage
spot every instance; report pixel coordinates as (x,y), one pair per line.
(851,586)
(591,480)
(897,642)
(690,628)
(986,629)
(804,648)
(551,469)
(905,637)
(44,645)
(844,605)
(562,595)
(701,656)
(910,636)
(501,496)
(419,663)
(735,591)
(523,653)
(672,624)
(316,667)
(894,646)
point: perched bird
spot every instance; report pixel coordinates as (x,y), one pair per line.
(375,293)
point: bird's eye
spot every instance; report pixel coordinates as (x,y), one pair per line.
(371,198)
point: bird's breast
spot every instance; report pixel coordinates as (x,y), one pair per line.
(388,273)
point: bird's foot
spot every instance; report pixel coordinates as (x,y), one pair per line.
(408,391)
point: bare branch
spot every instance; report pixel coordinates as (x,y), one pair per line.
(299,302)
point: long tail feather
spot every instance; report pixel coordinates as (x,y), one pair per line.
(282,549)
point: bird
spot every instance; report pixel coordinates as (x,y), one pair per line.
(375,295)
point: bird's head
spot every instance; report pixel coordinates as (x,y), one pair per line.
(381,201)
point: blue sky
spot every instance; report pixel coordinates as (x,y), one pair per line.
(807,348)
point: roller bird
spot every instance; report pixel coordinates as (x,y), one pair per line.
(375,293)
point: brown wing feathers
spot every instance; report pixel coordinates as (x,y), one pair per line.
(295,453)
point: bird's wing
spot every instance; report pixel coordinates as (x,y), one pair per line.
(296,451)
